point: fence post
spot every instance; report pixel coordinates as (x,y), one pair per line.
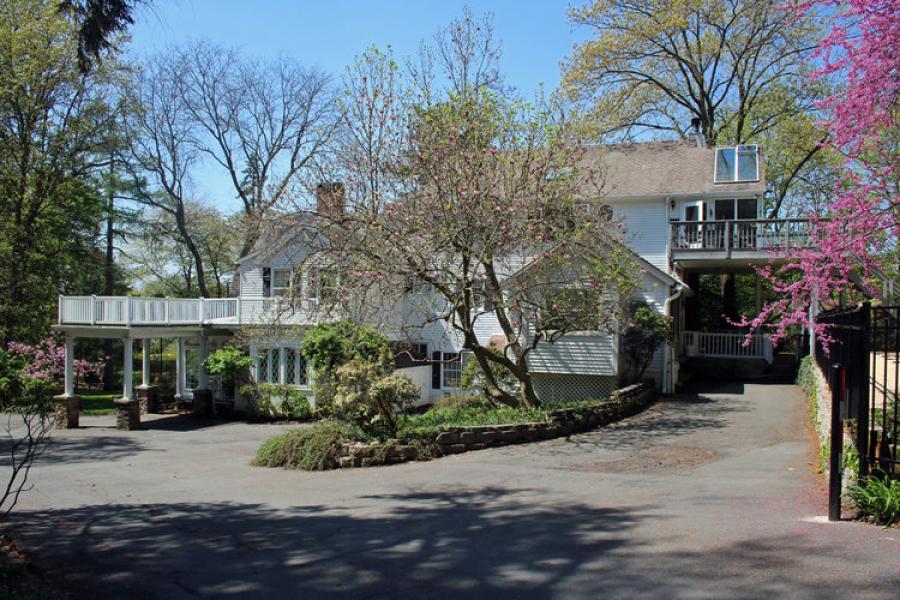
(863,442)
(836,451)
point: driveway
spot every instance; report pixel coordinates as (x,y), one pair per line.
(707,495)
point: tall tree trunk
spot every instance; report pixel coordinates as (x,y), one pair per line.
(109,287)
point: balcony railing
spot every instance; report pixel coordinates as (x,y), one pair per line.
(738,237)
(137,311)
(727,345)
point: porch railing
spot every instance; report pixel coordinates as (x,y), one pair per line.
(727,345)
(743,235)
(134,310)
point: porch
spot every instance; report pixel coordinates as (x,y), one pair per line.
(191,385)
(760,239)
(702,344)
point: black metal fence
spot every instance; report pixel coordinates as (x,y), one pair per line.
(867,345)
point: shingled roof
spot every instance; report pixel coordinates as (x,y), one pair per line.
(662,169)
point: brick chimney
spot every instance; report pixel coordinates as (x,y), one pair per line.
(330,199)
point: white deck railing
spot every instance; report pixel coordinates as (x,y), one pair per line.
(727,345)
(134,310)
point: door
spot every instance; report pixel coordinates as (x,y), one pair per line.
(693,213)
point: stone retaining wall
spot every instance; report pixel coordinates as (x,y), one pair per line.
(624,403)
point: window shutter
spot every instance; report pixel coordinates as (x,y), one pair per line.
(267,282)
(436,371)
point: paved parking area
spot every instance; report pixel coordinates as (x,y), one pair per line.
(706,495)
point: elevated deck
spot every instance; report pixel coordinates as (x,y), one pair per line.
(135,311)
(747,239)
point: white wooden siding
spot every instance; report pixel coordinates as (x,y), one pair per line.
(647,229)
(576,354)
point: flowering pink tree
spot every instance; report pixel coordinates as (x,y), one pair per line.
(47,360)
(862,220)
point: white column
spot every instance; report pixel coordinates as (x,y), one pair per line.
(69,372)
(254,356)
(128,375)
(145,362)
(179,367)
(282,365)
(202,377)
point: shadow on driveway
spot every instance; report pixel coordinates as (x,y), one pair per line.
(453,543)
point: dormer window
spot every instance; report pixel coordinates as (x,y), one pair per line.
(740,163)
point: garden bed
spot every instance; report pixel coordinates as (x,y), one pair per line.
(426,438)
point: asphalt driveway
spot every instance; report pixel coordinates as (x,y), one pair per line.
(707,495)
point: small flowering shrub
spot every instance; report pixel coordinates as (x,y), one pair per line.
(44,361)
(369,398)
(47,360)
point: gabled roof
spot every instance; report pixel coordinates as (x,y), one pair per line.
(596,251)
(663,169)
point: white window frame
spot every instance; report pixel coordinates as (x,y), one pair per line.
(447,360)
(736,172)
(272,362)
(279,291)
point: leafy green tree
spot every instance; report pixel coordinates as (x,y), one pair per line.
(54,128)
(737,69)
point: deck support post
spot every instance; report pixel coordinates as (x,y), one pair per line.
(180,379)
(68,405)
(128,372)
(145,362)
(69,388)
(202,375)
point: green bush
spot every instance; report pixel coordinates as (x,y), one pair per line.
(878,497)
(311,449)
(476,412)
(646,331)
(806,378)
(371,399)
(327,346)
(272,400)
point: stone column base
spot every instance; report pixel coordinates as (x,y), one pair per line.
(202,405)
(148,397)
(128,414)
(66,412)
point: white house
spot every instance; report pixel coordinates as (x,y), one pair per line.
(687,210)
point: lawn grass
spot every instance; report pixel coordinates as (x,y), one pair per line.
(98,403)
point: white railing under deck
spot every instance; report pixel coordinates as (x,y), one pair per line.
(727,345)
(135,310)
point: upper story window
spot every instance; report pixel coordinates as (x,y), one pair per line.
(281,282)
(740,163)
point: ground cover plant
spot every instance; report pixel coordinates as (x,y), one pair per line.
(878,498)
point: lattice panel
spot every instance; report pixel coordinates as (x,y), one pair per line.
(571,388)
(290,365)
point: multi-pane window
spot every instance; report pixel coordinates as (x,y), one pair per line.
(452,370)
(295,367)
(740,163)
(281,282)
(322,284)
(268,368)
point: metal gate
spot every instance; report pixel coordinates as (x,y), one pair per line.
(866,344)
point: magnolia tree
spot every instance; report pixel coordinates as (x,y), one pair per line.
(862,219)
(468,208)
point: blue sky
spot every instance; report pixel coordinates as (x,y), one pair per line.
(329,33)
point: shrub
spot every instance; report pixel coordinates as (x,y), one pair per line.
(229,362)
(311,449)
(370,399)
(647,330)
(272,400)
(878,497)
(327,346)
